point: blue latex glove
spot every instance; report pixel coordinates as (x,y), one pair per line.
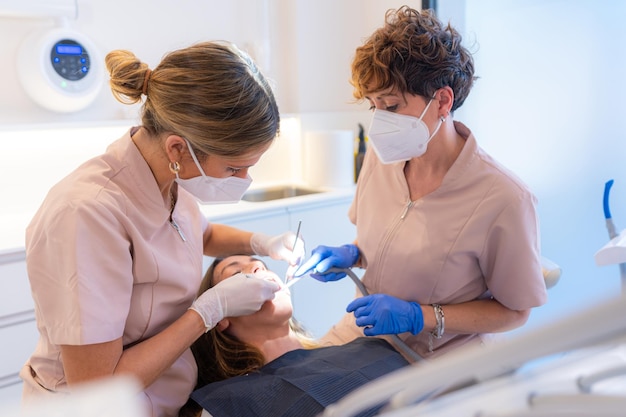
(325,257)
(384,314)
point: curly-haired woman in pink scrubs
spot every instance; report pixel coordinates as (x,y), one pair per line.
(448,237)
(114,254)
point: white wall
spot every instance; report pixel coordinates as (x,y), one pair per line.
(549,105)
(304,46)
(148,28)
(323,36)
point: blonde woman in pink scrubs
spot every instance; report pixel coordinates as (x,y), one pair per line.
(114,254)
(448,237)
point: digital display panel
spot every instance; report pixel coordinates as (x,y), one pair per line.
(67,49)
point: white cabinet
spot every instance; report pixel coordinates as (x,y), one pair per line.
(325,221)
(18,330)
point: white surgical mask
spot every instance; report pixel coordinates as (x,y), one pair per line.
(398,137)
(211,190)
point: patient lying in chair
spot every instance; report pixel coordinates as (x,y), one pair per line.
(265,364)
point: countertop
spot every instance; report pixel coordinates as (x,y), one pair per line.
(14,224)
(221,212)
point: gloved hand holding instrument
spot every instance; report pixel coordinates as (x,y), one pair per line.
(286,246)
(378,313)
(410,353)
(323,258)
(244,294)
(238,295)
(384,314)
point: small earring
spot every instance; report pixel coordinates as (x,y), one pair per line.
(443,119)
(174,167)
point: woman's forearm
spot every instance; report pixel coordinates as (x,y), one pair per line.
(145,361)
(479,316)
(221,240)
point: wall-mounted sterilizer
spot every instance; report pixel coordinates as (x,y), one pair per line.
(60,69)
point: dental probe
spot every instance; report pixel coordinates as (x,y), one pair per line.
(289,281)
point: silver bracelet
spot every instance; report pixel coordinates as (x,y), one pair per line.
(441,321)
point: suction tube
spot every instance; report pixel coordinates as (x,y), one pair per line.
(610,226)
(396,339)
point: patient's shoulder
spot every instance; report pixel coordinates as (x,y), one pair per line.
(301,380)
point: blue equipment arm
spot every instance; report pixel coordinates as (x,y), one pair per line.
(605,200)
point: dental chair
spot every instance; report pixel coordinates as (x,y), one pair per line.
(559,370)
(573,367)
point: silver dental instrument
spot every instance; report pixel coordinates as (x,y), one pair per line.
(289,279)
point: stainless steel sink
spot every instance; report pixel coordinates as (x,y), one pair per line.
(277,192)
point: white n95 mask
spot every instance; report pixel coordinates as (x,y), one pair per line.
(211,190)
(398,137)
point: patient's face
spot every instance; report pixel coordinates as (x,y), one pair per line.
(280,306)
(232,265)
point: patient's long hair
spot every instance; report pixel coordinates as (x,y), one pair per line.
(220,356)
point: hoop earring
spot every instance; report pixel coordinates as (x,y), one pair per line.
(174,167)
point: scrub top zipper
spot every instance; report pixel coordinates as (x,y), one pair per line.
(172,221)
(178,229)
(406,209)
(391,231)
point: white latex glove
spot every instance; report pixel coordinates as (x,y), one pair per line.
(239,295)
(278,247)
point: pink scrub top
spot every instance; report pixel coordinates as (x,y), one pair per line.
(474,237)
(104,262)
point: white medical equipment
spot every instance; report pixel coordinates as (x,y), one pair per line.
(60,69)
(492,381)
(613,252)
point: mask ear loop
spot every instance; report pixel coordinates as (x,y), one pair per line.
(426,108)
(193,155)
(441,120)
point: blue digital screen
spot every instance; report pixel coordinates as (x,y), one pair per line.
(67,49)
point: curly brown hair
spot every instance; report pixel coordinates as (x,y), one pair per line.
(413,53)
